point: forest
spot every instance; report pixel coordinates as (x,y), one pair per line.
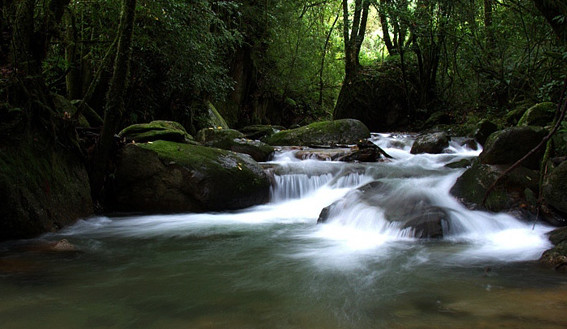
(283,164)
(76,73)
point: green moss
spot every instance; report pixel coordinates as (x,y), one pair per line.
(156,130)
(538,115)
(472,186)
(345,131)
(217,135)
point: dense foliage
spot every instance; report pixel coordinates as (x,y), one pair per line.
(283,62)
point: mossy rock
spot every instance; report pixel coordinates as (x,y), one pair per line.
(463,163)
(560,143)
(156,130)
(378,96)
(471,187)
(171,177)
(433,143)
(233,140)
(42,187)
(538,115)
(210,118)
(511,144)
(260,131)
(556,257)
(484,129)
(438,118)
(555,188)
(514,116)
(415,212)
(324,133)
(217,134)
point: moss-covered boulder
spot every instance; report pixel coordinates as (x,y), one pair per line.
(511,144)
(484,129)
(378,97)
(538,115)
(260,131)
(209,117)
(42,187)
(174,177)
(233,140)
(156,130)
(433,143)
(510,193)
(512,117)
(324,133)
(556,257)
(555,188)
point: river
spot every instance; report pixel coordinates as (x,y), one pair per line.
(273,266)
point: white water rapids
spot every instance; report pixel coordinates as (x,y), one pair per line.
(273,266)
(304,187)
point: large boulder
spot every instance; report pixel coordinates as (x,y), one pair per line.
(173,177)
(538,115)
(433,143)
(511,192)
(155,130)
(260,131)
(378,97)
(324,133)
(555,188)
(42,187)
(233,140)
(416,213)
(556,257)
(484,129)
(211,118)
(511,144)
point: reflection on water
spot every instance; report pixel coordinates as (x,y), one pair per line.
(272,266)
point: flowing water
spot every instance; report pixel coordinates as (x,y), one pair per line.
(273,266)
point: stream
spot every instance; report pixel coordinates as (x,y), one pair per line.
(272,266)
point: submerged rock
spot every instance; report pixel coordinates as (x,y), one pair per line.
(365,151)
(173,177)
(413,212)
(325,133)
(155,130)
(229,139)
(509,145)
(433,143)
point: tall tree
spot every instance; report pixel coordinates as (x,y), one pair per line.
(353,34)
(115,96)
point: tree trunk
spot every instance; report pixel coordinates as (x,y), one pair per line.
(73,79)
(354,35)
(114,98)
(490,43)
(386,28)
(323,56)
